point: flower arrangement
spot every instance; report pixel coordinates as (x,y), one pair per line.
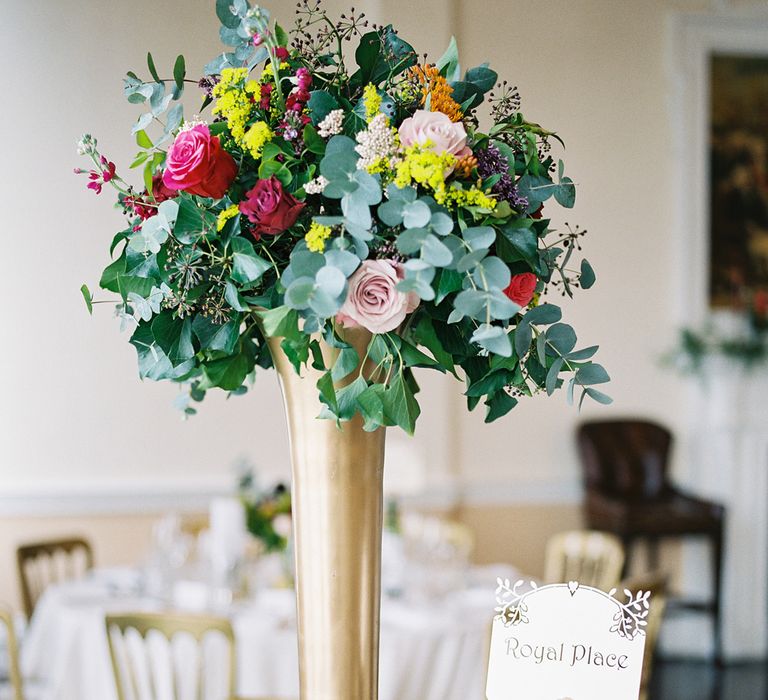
(267,513)
(319,196)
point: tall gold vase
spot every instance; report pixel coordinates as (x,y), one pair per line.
(337,516)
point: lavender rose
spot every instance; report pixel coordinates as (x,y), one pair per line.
(437,129)
(373,301)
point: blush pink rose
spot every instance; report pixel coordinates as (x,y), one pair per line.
(521,288)
(437,129)
(373,300)
(198,164)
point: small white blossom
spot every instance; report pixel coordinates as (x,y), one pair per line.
(332,124)
(189,124)
(378,141)
(86,145)
(316,186)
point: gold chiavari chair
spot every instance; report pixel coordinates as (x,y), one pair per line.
(656,583)
(592,558)
(43,563)
(138,672)
(14,675)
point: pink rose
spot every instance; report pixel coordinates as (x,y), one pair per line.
(436,128)
(270,207)
(373,301)
(521,288)
(198,164)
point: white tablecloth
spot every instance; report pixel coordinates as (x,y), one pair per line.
(431,651)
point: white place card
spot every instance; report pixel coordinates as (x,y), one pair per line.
(566,642)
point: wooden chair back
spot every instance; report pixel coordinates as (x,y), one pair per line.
(592,558)
(149,660)
(43,563)
(656,583)
(14,675)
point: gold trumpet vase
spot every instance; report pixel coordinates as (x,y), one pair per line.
(337,520)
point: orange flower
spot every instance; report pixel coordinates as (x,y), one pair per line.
(435,86)
(464,166)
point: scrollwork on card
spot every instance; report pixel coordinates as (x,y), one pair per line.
(628,622)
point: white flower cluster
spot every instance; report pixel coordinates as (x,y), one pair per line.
(378,141)
(191,123)
(316,186)
(332,124)
(86,145)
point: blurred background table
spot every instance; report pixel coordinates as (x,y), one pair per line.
(431,648)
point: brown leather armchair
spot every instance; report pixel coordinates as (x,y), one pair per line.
(628,493)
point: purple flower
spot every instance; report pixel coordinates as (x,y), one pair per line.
(491,161)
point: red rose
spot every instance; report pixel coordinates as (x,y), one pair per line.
(270,208)
(198,164)
(522,288)
(160,191)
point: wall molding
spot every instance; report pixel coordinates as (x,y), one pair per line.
(146,497)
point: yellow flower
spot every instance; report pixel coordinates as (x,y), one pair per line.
(226,215)
(230,77)
(317,236)
(233,100)
(473,197)
(255,138)
(424,167)
(372,101)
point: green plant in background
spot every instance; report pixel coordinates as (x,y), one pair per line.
(267,514)
(326,194)
(746,345)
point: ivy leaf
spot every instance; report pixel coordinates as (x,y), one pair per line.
(499,405)
(233,298)
(400,404)
(214,336)
(247,267)
(347,398)
(229,373)
(282,322)
(371,405)
(347,361)
(427,336)
(413,357)
(328,393)
(321,104)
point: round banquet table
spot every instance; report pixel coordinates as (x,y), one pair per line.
(434,650)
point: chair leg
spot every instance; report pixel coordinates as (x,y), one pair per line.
(717,572)
(627,541)
(653,553)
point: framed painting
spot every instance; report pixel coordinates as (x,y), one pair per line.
(738,180)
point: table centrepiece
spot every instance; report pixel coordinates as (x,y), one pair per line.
(345,219)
